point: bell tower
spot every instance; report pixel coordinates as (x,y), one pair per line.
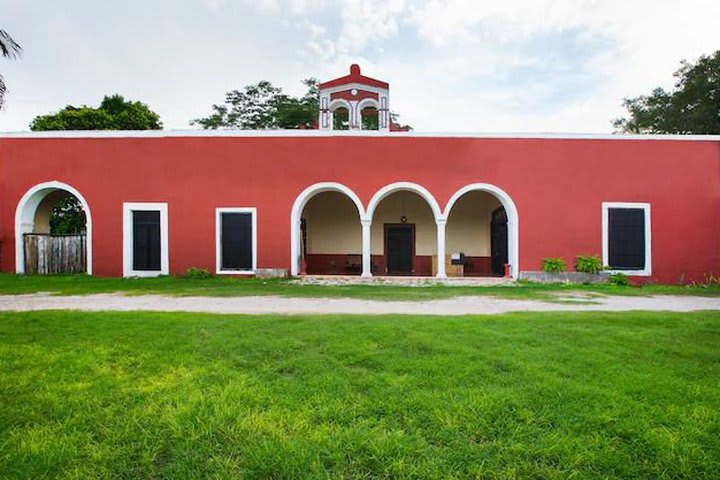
(354,102)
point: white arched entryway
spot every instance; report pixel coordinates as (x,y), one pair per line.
(388,190)
(513,220)
(25,218)
(297,210)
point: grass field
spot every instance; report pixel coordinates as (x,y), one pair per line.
(223,286)
(141,395)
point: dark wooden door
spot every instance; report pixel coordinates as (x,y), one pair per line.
(499,241)
(236,241)
(399,248)
(146,240)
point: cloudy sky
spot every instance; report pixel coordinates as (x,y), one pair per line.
(453,65)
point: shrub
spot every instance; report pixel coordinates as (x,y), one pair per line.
(588,263)
(553,265)
(197,273)
(619,279)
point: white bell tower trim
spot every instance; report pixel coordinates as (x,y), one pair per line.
(354,92)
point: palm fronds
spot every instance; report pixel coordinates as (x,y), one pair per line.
(9,48)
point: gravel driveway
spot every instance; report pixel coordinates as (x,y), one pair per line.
(292,305)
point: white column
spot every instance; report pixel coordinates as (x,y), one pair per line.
(441,248)
(513,249)
(325,118)
(366,259)
(354,116)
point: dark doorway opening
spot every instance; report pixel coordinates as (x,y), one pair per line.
(499,241)
(236,241)
(146,240)
(399,248)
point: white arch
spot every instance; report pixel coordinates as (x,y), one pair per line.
(25,219)
(365,103)
(408,187)
(368,102)
(297,210)
(340,103)
(513,219)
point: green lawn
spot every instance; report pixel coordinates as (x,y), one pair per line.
(148,395)
(224,286)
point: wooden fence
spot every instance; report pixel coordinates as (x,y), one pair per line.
(48,254)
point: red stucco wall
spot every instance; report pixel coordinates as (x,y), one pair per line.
(558,186)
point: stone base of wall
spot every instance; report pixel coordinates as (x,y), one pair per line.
(565,277)
(271,272)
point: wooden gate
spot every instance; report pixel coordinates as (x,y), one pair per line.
(48,254)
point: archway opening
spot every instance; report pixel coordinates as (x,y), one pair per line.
(404,235)
(331,235)
(369,118)
(477,242)
(53,229)
(341,118)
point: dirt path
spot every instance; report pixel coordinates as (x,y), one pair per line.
(289,305)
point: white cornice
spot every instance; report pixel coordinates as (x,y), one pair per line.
(343,133)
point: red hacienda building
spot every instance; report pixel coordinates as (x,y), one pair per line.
(359,202)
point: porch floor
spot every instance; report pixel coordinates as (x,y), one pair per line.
(401,280)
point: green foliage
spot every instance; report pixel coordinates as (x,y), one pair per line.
(341,119)
(67,216)
(619,280)
(195,273)
(262,106)
(370,119)
(114,113)
(692,107)
(553,265)
(9,48)
(588,264)
(526,396)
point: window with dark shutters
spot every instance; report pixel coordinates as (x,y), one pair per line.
(146,240)
(626,238)
(236,237)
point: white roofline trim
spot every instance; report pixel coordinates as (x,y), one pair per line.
(343,133)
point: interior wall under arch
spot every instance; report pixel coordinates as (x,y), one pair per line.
(333,234)
(44,210)
(333,224)
(468,226)
(469,230)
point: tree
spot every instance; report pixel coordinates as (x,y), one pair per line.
(263,106)
(692,107)
(9,48)
(114,113)
(67,216)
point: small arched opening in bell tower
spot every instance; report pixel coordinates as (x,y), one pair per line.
(340,111)
(369,115)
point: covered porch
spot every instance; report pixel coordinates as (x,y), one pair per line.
(404,233)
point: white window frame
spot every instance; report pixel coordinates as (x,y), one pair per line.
(128,209)
(218,244)
(606,206)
